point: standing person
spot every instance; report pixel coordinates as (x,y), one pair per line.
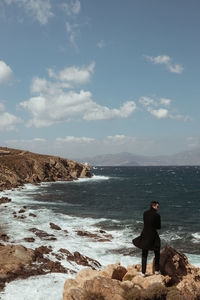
(149,238)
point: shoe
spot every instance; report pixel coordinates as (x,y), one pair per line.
(142,274)
(157,273)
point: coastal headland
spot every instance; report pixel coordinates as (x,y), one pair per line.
(179,280)
(19,167)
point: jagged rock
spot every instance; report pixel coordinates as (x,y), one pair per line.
(96,236)
(21,211)
(20,167)
(134,286)
(80,259)
(5,200)
(17,261)
(54,226)
(173,263)
(42,234)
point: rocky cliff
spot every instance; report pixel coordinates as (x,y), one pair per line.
(19,167)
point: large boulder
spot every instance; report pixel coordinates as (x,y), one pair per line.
(174,264)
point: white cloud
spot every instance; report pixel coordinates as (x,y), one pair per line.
(160,113)
(120,139)
(72,7)
(155,108)
(165,101)
(72,30)
(74,74)
(101,44)
(73,139)
(146,101)
(39,9)
(98,112)
(8,121)
(2,107)
(53,103)
(167,61)
(5,72)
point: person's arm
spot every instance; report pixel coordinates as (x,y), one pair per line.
(158,222)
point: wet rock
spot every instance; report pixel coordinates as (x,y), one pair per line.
(54,226)
(4,237)
(80,259)
(5,200)
(87,234)
(29,239)
(43,235)
(22,217)
(32,215)
(96,236)
(43,250)
(21,211)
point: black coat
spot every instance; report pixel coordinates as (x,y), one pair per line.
(149,238)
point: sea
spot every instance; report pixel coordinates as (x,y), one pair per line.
(113,200)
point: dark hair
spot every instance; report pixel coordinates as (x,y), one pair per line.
(153,203)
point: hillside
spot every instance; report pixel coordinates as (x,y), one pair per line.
(186,158)
(19,167)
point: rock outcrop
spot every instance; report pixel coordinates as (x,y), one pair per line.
(20,167)
(179,280)
(17,261)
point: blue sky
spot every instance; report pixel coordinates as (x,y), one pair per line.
(85,77)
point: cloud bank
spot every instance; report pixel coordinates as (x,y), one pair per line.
(58,101)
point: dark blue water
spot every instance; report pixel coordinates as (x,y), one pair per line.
(127,192)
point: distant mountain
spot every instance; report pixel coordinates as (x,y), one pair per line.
(186,158)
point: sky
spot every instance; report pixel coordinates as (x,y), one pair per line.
(80,78)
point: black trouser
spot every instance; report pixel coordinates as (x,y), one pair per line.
(144,260)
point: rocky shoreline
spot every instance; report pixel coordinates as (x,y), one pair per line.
(179,280)
(17,168)
(19,262)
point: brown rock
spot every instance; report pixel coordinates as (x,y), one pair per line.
(5,200)
(87,234)
(43,250)
(42,234)
(54,226)
(173,263)
(119,273)
(21,211)
(4,237)
(32,215)
(29,239)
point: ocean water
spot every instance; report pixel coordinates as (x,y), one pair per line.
(113,200)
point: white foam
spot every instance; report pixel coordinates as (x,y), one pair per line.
(36,288)
(93,178)
(196,235)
